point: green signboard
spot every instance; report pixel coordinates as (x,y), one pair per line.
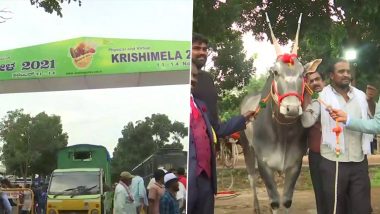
(94,56)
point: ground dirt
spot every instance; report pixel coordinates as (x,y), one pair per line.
(303,199)
(303,202)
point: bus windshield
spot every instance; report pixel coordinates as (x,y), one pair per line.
(75,183)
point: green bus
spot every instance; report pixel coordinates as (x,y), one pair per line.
(81,182)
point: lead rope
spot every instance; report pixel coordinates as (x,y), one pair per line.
(337,130)
(262,104)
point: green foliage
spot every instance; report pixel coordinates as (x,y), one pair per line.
(262,104)
(256,84)
(231,68)
(51,6)
(143,138)
(327,29)
(315,95)
(375,176)
(230,103)
(31,143)
(176,145)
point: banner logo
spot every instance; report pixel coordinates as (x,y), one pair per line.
(82,54)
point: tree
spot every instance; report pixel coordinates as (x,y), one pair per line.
(328,29)
(143,138)
(49,140)
(51,6)
(231,68)
(230,103)
(31,143)
(175,145)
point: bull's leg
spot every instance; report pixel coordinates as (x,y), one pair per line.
(250,162)
(252,177)
(291,176)
(267,175)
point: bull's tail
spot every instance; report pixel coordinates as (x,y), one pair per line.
(250,162)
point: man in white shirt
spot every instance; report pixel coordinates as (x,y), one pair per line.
(353,185)
(181,197)
(123,199)
(139,193)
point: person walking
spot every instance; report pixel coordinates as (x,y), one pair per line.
(156,191)
(123,198)
(139,194)
(5,205)
(168,202)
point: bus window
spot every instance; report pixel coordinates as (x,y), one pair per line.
(82,156)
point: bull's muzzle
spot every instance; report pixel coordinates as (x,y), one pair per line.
(291,107)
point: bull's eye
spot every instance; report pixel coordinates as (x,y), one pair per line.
(275,72)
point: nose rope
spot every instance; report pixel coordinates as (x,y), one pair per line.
(278,98)
(263,102)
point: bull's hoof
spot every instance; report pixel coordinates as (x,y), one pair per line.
(288,204)
(275,205)
(257,211)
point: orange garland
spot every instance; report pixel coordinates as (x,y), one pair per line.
(258,108)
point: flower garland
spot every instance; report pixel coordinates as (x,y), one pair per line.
(337,129)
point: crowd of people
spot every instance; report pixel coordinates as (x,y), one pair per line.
(30,197)
(165,193)
(353,184)
(347,104)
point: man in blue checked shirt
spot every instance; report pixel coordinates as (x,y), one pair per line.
(168,202)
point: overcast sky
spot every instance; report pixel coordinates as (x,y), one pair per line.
(98,116)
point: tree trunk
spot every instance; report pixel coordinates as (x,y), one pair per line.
(25,174)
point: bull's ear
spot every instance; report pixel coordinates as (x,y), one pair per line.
(311,66)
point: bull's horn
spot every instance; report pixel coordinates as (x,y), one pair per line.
(274,40)
(295,46)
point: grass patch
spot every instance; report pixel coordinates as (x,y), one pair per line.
(375,176)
